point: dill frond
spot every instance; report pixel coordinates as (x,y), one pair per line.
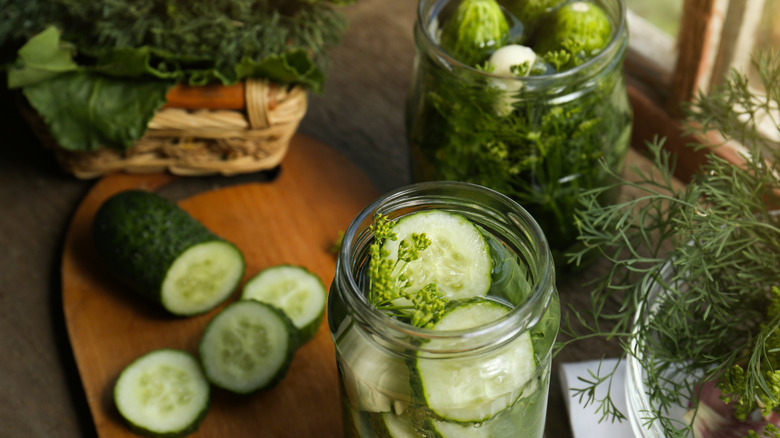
(712,248)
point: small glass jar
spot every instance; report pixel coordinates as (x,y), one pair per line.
(378,356)
(541,139)
(639,403)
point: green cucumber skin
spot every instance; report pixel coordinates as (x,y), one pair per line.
(139,234)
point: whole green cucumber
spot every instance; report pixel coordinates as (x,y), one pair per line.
(160,251)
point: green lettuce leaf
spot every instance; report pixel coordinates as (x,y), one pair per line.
(85,111)
(132,62)
(294,66)
(43,57)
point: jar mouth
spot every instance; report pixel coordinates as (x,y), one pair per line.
(441,194)
(617,44)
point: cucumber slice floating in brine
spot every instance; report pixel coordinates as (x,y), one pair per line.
(458,260)
(448,429)
(163,393)
(388,425)
(374,381)
(475,388)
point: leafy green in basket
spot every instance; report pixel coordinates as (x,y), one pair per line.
(174,42)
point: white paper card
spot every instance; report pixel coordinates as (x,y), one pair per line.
(585,420)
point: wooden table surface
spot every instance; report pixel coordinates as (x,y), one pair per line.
(360,114)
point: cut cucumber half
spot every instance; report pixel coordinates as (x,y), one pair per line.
(163,393)
(374,380)
(247,346)
(458,260)
(295,290)
(476,387)
(162,253)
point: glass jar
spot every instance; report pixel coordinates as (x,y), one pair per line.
(640,405)
(540,139)
(379,356)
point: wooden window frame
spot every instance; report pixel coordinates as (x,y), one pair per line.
(664,72)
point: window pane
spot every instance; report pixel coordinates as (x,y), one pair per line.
(767,37)
(664,14)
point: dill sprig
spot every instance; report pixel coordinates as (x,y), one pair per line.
(389,287)
(697,266)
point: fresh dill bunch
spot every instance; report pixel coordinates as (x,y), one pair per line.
(389,288)
(693,269)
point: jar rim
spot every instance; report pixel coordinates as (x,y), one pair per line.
(398,332)
(616,45)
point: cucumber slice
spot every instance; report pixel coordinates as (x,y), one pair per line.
(458,260)
(374,380)
(446,429)
(163,393)
(295,290)
(388,425)
(201,277)
(358,424)
(164,254)
(474,389)
(247,346)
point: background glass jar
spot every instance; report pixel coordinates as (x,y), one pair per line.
(379,357)
(540,139)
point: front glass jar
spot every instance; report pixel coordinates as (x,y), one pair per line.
(487,380)
(541,136)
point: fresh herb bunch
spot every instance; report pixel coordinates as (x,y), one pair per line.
(97,71)
(389,288)
(698,266)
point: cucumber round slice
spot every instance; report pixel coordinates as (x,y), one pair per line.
(201,277)
(475,388)
(458,260)
(247,346)
(163,393)
(295,290)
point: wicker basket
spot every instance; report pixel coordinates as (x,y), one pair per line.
(204,141)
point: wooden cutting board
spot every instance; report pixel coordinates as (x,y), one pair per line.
(295,218)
